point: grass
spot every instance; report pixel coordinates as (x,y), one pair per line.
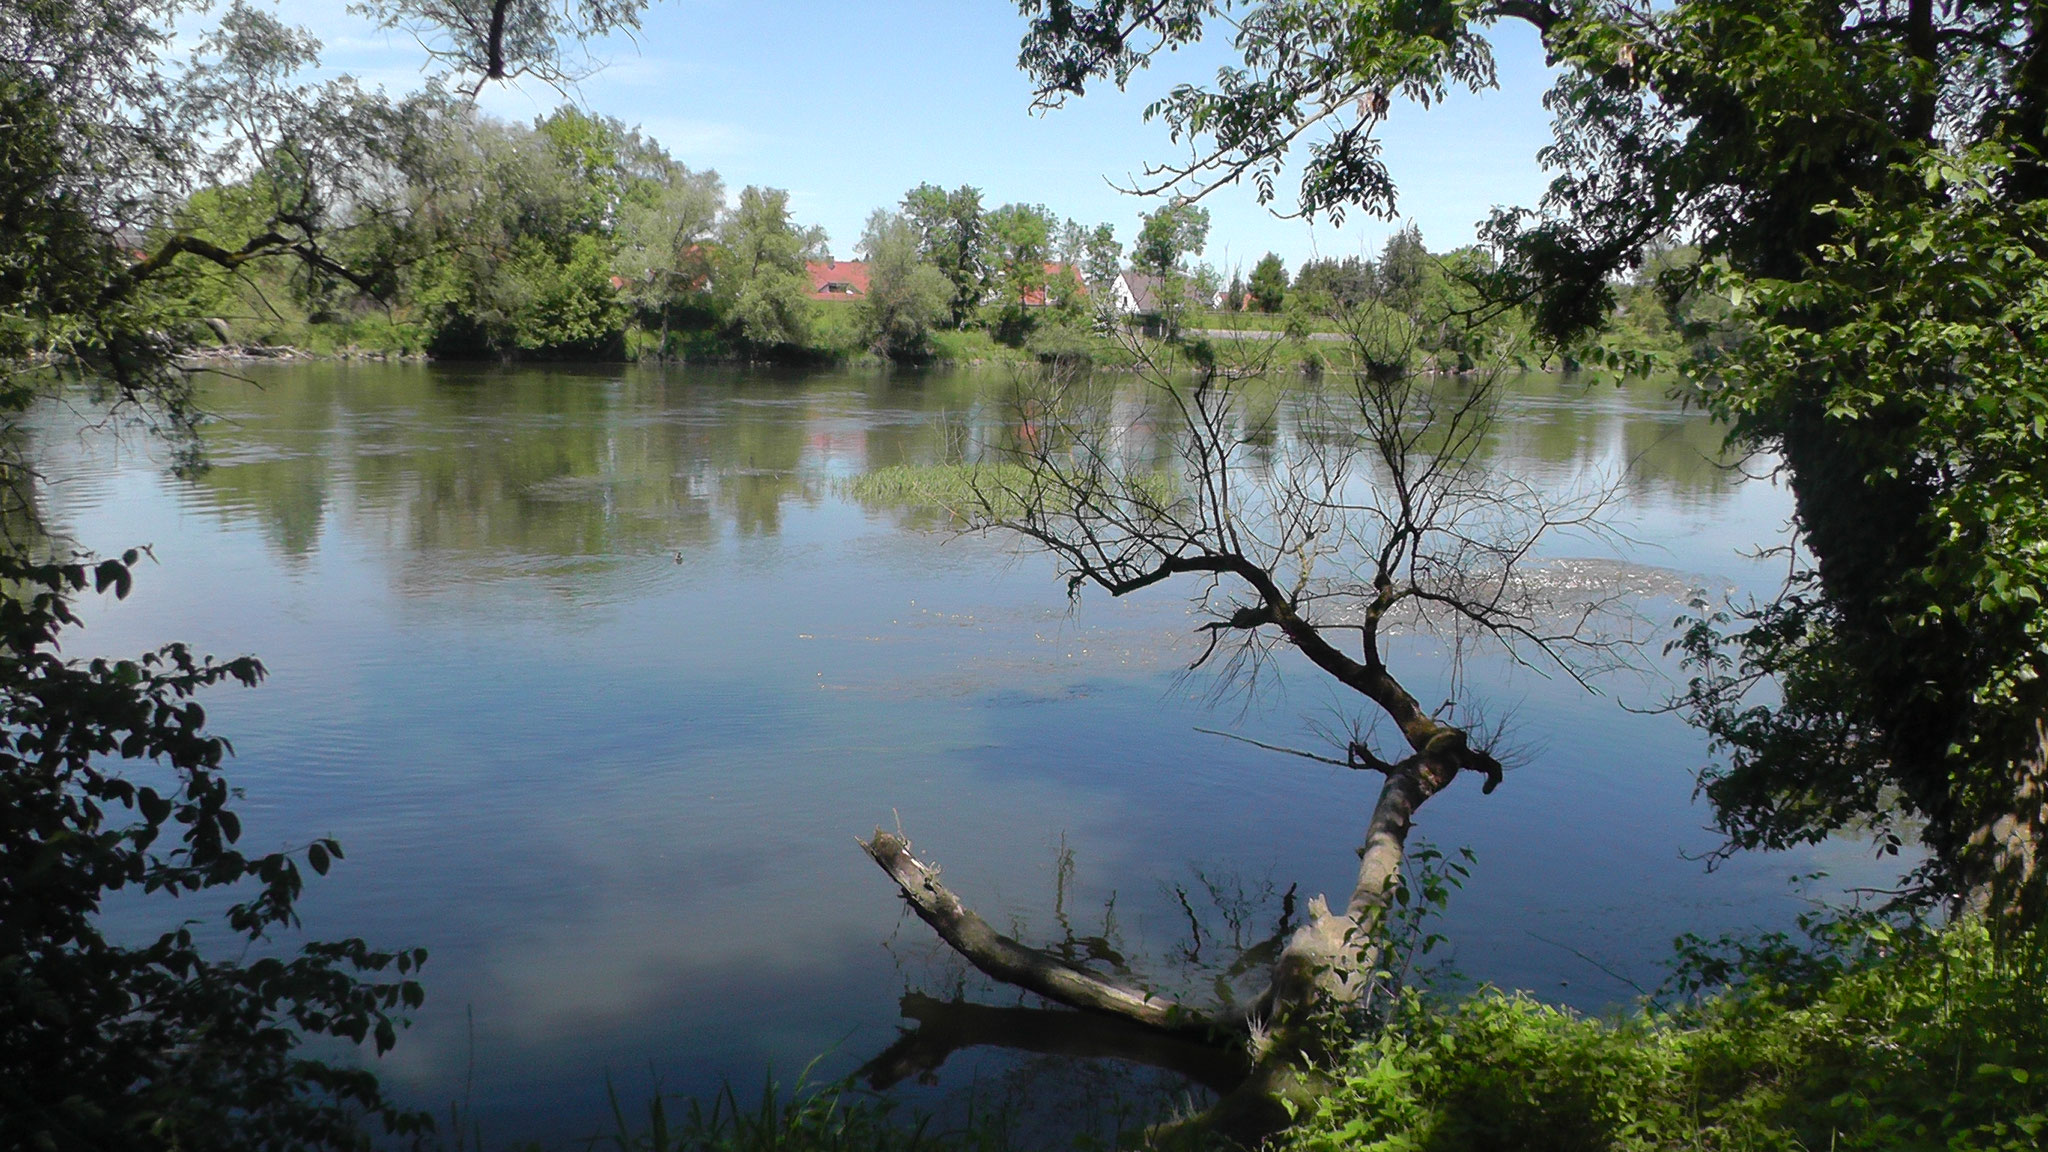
(979,492)
(1239,321)
(834,1117)
(968,491)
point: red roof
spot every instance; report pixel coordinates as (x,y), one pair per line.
(1036,298)
(848,280)
(838,279)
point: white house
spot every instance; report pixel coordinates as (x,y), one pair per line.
(1135,293)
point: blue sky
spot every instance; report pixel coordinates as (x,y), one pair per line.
(849,104)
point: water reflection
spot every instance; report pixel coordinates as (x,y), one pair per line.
(616,795)
(596,465)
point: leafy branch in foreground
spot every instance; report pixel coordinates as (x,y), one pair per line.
(106,1044)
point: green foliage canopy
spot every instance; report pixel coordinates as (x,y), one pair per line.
(1781,139)
(1268,284)
(953,236)
(761,270)
(907,296)
(1170,235)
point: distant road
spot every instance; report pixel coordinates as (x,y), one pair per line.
(1234,334)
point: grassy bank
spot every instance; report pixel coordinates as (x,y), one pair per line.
(1882,1038)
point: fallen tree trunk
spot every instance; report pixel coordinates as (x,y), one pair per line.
(1014,963)
(1378,513)
(1281,1041)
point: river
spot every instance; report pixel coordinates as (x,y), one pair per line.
(597,674)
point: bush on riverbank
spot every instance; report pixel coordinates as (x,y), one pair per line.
(1881,1038)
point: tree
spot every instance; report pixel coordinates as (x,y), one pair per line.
(1763,133)
(1319,533)
(109,143)
(954,237)
(1102,258)
(1404,271)
(1934,368)
(1268,286)
(906,295)
(524,259)
(1331,283)
(505,39)
(110,1045)
(1169,236)
(762,269)
(1070,243)
(1020,245)
(667,218)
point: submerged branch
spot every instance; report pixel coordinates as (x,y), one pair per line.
(947,1026)
(1015,963)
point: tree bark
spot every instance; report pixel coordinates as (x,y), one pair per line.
(2012,884)
(1014,963)
(1285,1040)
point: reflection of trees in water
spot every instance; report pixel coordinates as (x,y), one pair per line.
(1557,425)
(542,463)
(1569,423)
(596,464)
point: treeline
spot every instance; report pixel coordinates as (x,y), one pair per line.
(579,238)
(576,237)
(1449,304)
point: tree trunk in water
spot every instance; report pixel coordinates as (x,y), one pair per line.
(1327,965)
(1008,960)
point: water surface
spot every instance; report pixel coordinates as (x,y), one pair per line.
(597,674)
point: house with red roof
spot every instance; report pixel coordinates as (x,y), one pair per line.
(848,280)
(1054,273)
(838,279)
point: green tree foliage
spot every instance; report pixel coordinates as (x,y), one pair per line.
(1775,136)
(106,138)
(1102,258)
(667,219)
(954,238)
(127,173)
(1331,283)
(1020,246)
(109,781)
(478,41)
(1169,236)
(761,272)
(1268,285)
(1933,380)
(1661,309)
(907,296)
(524,219)
(1405,273)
